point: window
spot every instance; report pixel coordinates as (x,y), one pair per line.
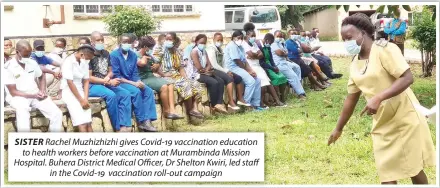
(92,9)
(263,15)
(172,8)
(239,17)
(228,16)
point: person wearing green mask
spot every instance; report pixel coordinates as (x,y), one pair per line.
(147,65)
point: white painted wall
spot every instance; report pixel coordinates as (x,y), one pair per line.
(27,20)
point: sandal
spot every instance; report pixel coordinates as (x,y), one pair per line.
(196,114)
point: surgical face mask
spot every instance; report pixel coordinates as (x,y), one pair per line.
(201,47)
(252,40)
(293,37)
(218,44)
(24,60)
(58,50)
(352,47)
(8,51)
(99,46)
(39,53)
(168,44)
(267,45)
(277,40)
(150,52)
(126,47)
(84,61)
(238,42)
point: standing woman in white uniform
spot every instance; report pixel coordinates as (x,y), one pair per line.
(75,87)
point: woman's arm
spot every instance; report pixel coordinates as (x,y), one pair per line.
(182,72)
(398,86)
(73,89)
(281,53)
(240,63)
(195,59)
(347,110)
(86,89)
(208,63)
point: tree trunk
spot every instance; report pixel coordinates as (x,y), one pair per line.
(295,23)
(430,63)
(423,62)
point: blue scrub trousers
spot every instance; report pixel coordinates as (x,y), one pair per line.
(252,91)
(143,102)
(118,103)
(292,72)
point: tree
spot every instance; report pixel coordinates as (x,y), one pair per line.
(424,34)
(392,9)
(130,19)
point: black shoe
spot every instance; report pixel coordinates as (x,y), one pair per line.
(147,126)
(196,114)
(336,76)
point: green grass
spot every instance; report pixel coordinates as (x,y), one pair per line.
(296,136)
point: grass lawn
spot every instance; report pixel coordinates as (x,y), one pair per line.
(296,136)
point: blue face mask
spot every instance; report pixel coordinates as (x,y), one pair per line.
(352,47)
(150,52)
(277,40)
(267,45)
(99,46)
(126,47)
(201,47)
(168,44)
(252,40)
(39,53)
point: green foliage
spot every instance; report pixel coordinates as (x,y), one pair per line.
(424,31)
(392,9)
(130,19)
(294,17)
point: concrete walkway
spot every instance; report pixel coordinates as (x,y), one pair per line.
(337,49)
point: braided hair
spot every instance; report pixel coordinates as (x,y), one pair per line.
(360,21)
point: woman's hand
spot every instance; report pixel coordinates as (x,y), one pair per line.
(115,82)
(85,104)
(372,105)
(252,73)
(276,69)
(155,67)
(230,74)
(334,136)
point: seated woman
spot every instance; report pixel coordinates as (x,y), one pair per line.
(253,57)
(307,69)
(278,80)
(147,64)
(215,56)
(324,62)
(236,62)
(279,54)
(304,43)
(75,87)
(200,69)
(172,70)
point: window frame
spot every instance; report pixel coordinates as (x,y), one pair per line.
(92,13)
(185,9)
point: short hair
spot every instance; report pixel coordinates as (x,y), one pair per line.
(63,40)
(217,34)
(161,36)
(133,37)
(248,27)
(295,33)
(237,33)
(269,37)
(146,41)
(200,36)
(86,39)
(86,49)
(276,32)
(361,21)
(22,44)
(128,36)
(291,30)
(6,39)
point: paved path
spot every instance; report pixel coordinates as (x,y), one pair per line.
(337,49)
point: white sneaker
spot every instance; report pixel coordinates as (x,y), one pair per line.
(243,104)
(234,108)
